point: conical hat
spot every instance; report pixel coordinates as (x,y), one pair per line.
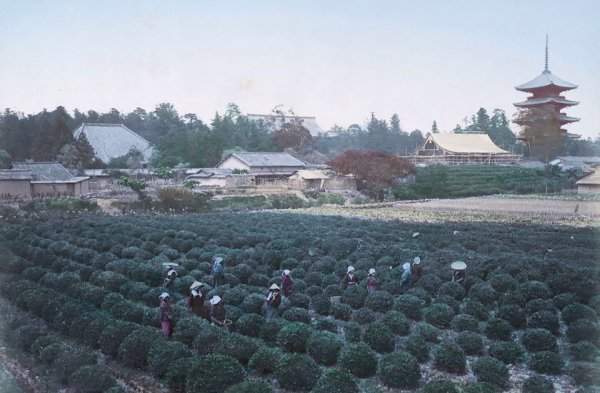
(196,284)
(274,287)
(458,265)
(163,296)
(215,300)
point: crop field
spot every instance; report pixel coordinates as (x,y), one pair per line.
(87,292)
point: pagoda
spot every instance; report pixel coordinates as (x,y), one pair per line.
(546,93)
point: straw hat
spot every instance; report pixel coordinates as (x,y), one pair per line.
(286,272)
(218,259)
(215,300)
(406,266)
(350,269)
(371,271)
(172,272)
(458,265)
(163,296)
(196,284)
(274,287)
(195,293)
(417,260)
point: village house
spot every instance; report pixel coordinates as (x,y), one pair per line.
(27,180)
(266,167)
(321,180)
(589,183)
(111,141)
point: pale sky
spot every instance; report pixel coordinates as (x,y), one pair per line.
(337,60)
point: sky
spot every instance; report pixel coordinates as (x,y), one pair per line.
(337,60)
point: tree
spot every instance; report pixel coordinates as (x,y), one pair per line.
(540,130)
(395,124)
(374,171)
(499,130)
(434,128)
(291,133)
(5,159)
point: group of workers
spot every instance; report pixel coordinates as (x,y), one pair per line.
(215,311)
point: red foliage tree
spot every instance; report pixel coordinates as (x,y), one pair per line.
(374,170)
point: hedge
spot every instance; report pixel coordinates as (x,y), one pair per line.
(536,340)
(471,343)
(133,351)
(546,362)
(91,379)
(508,352)
(294,336)
(163,353)
(250,387)
(297,372)
(265,360)
(324,347)
(379,337)
(440,386)
(358,359)
(538,384)
(336,381)
(449,357)
(396,322)
(439,315)
(488,369)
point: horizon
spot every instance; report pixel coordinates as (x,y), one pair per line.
(439,62)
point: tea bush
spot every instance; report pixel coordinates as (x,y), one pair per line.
(250,386)
(358,359)
(544,320)
(410,306)
(538,384)
(324,347)
(91,379)
(546,362)
(336,381)
(465,322)
(293,336)
(498,329)
(439,315)
(399,370)
(265,360)
(440,386)
(214,374)
(471,343)
(418,347)
(396,322)
(584,351)
(488,369)
(379,337)
(508,352)
(297,372)
(536,340)
(449,357)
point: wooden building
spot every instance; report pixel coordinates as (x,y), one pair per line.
(460,149)
(267,168)
(590,183)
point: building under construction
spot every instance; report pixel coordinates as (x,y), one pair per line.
(462,149)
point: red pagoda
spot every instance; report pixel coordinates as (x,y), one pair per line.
(546,92)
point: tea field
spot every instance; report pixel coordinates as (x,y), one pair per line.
(87,289)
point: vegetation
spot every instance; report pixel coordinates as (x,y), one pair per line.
(101,276)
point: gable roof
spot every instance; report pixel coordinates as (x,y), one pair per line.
(466,143)
(15,174)
(45,171)
(268,159)
(312,174)
(593,179)
(546,78)
(309,122)
(113,140)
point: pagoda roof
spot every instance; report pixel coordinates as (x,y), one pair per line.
(545,79)
(568,119)
(545,100)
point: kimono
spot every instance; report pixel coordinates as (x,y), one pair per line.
(371,284)
(287,285)
(197,307)
(217,314)
(166,323)
(349,280)
(417,272)
(273,302)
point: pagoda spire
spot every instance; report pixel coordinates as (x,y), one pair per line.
(546,59)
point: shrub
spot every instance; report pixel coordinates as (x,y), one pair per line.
(363,316)
(321,304)
(269,329)
(380,301)
(113,335)
(514,314)
(71,359)
(296,314)
(379,337)
(324,347)
(41,343)
(359,359)
(450,357)
(187,329)
(483,292)
(476,309)
(297,372)
(439,315)
(440,386)
(564,299)
(235,296)
(91,379)
(333,290)
(488,369)
(452,289)
(27,334)
(465,322)
(249,324)
(471,343)
(537,384)
(326,325)
(545,320)
(584,351)
(237,346)
(341,311)
(536,340)
(134,349)
(576,311)
(299,300)
(410,306)
(50,352)
(253,303)
(336,381)
(293,337)
(585,374)
(480,387)
(536,305)
(396,322)
(399,370)
(352,332)
(214,374)
(428,332)
(546,362)
(265,359)
(508,352)
(250,387)
(354,296)
(535,290)
(498,329)
(503,282)
(207,339)
(163,353)
(417,346)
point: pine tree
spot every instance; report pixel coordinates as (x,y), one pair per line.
(434,128)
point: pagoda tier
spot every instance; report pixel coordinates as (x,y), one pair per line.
(563,119)
(559,101)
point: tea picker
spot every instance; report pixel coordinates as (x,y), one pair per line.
(350,278)
(273,301)
(405,279)
(459,271)
(196,300)
(217,312)
(371,281)
(166,321)
(287,283)
(171,274)
(218,271)
(416,269)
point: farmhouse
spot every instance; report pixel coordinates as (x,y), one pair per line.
(589,183)
(266,167)
(321,180)
(113,140)
(275,122)
(40,179)
(459,149)
(219,178)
